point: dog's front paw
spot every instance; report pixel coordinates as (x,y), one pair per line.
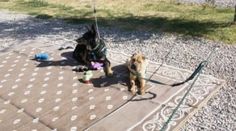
(133,90)
(142,92)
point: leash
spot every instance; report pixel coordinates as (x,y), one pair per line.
(95,18)
(196,71)
(96,22)
(197,74)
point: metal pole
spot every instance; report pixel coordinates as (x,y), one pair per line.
(235,13)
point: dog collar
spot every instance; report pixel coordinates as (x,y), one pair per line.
(139,75)
(136,74)
(100,50)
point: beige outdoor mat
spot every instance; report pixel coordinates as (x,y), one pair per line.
(49,96)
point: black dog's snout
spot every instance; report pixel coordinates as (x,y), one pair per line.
(77,40)
(133,66)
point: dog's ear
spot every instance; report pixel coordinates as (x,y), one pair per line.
(134,54)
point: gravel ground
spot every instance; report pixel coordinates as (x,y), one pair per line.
(220,3)
(219,113)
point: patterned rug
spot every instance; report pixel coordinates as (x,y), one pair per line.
(49,96)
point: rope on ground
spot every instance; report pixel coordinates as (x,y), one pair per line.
(197,74)
(196,71)
(165,58)
(181,101)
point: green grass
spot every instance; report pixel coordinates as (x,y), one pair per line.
(152,15)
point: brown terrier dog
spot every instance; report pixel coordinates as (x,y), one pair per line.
(137,66)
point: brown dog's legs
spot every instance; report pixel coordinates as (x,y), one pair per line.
(142,86)
(132,84)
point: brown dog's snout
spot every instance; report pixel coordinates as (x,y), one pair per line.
(133,66)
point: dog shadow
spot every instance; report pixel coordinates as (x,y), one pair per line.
(120,78)
(68,61)
(120,72)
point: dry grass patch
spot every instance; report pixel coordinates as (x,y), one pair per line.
(151,15)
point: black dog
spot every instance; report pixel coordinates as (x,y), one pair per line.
(92,49)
